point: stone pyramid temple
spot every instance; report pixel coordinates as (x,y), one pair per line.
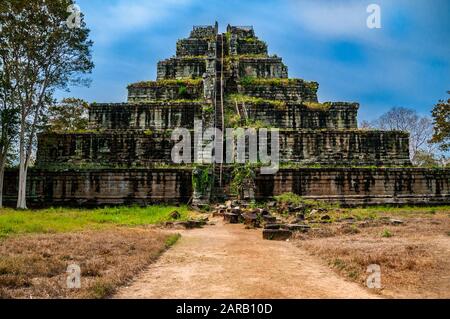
(226,80)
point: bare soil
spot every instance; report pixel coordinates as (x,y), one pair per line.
(229,261)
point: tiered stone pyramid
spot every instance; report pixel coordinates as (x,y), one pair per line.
(228,80)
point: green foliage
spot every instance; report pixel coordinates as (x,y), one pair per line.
(148,132)
(70,115)
(441,122)
(57,220)
(172,240)
(182,91)
(168,82)
(317,106)
(243,174)
(202,179)
(290,198)
(208,109)
(296,200)
(249,81)
(240,98)
(386,233)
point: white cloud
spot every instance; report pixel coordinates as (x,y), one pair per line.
(331,19)
(117,19)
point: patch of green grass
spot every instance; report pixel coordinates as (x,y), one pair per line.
(58,220)
(386,233)
(294,199)
(338,263)
(405,211)
(172,240)
(101,289)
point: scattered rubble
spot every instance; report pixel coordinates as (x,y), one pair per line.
(175,215)
(276,234)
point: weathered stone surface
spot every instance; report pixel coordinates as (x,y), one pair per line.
(360,186)
(298,227)
(175,215)
(231,218)
(294,91)
(251,220)
(102,187)
(273,226)
(396,222)
(262,67)
(145,116)
(113,149)
(191,224)
(163,91)
(182,67)
(269,219)
(276,234)
(298,116)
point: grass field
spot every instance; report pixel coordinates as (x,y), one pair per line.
(60,220)
(414,254)
(110,245)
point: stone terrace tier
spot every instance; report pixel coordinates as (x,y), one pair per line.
(292,90)
(348,186)
(145,148)
(166,90)
(336,115)
(182,113)
(145,115)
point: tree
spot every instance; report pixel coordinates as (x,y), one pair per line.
(441,117)
(425,159)
(407,120)
(70,115)
(8,128)
(41,52)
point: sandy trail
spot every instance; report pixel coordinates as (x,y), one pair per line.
(229,261)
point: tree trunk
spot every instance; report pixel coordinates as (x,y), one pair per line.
(22,191)
(22,195)
(2,176)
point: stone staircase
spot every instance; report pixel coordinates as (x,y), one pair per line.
(219,115)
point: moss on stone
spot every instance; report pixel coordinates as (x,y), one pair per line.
(240,98)
(167,82)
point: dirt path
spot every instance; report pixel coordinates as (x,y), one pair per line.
(228,261)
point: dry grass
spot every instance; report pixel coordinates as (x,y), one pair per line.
(34,266)
(414,257)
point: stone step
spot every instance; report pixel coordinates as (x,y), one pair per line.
(276,234)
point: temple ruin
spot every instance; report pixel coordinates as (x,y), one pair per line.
(226,80)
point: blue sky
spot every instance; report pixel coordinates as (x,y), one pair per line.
(405,63)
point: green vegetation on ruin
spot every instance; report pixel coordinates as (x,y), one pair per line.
(250,80)
(60,220)
(240,98)
(297,200)
(167,82)
(316,106)
(193,57)
(202,179)
(167,103)
(243,175)
(233,58)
